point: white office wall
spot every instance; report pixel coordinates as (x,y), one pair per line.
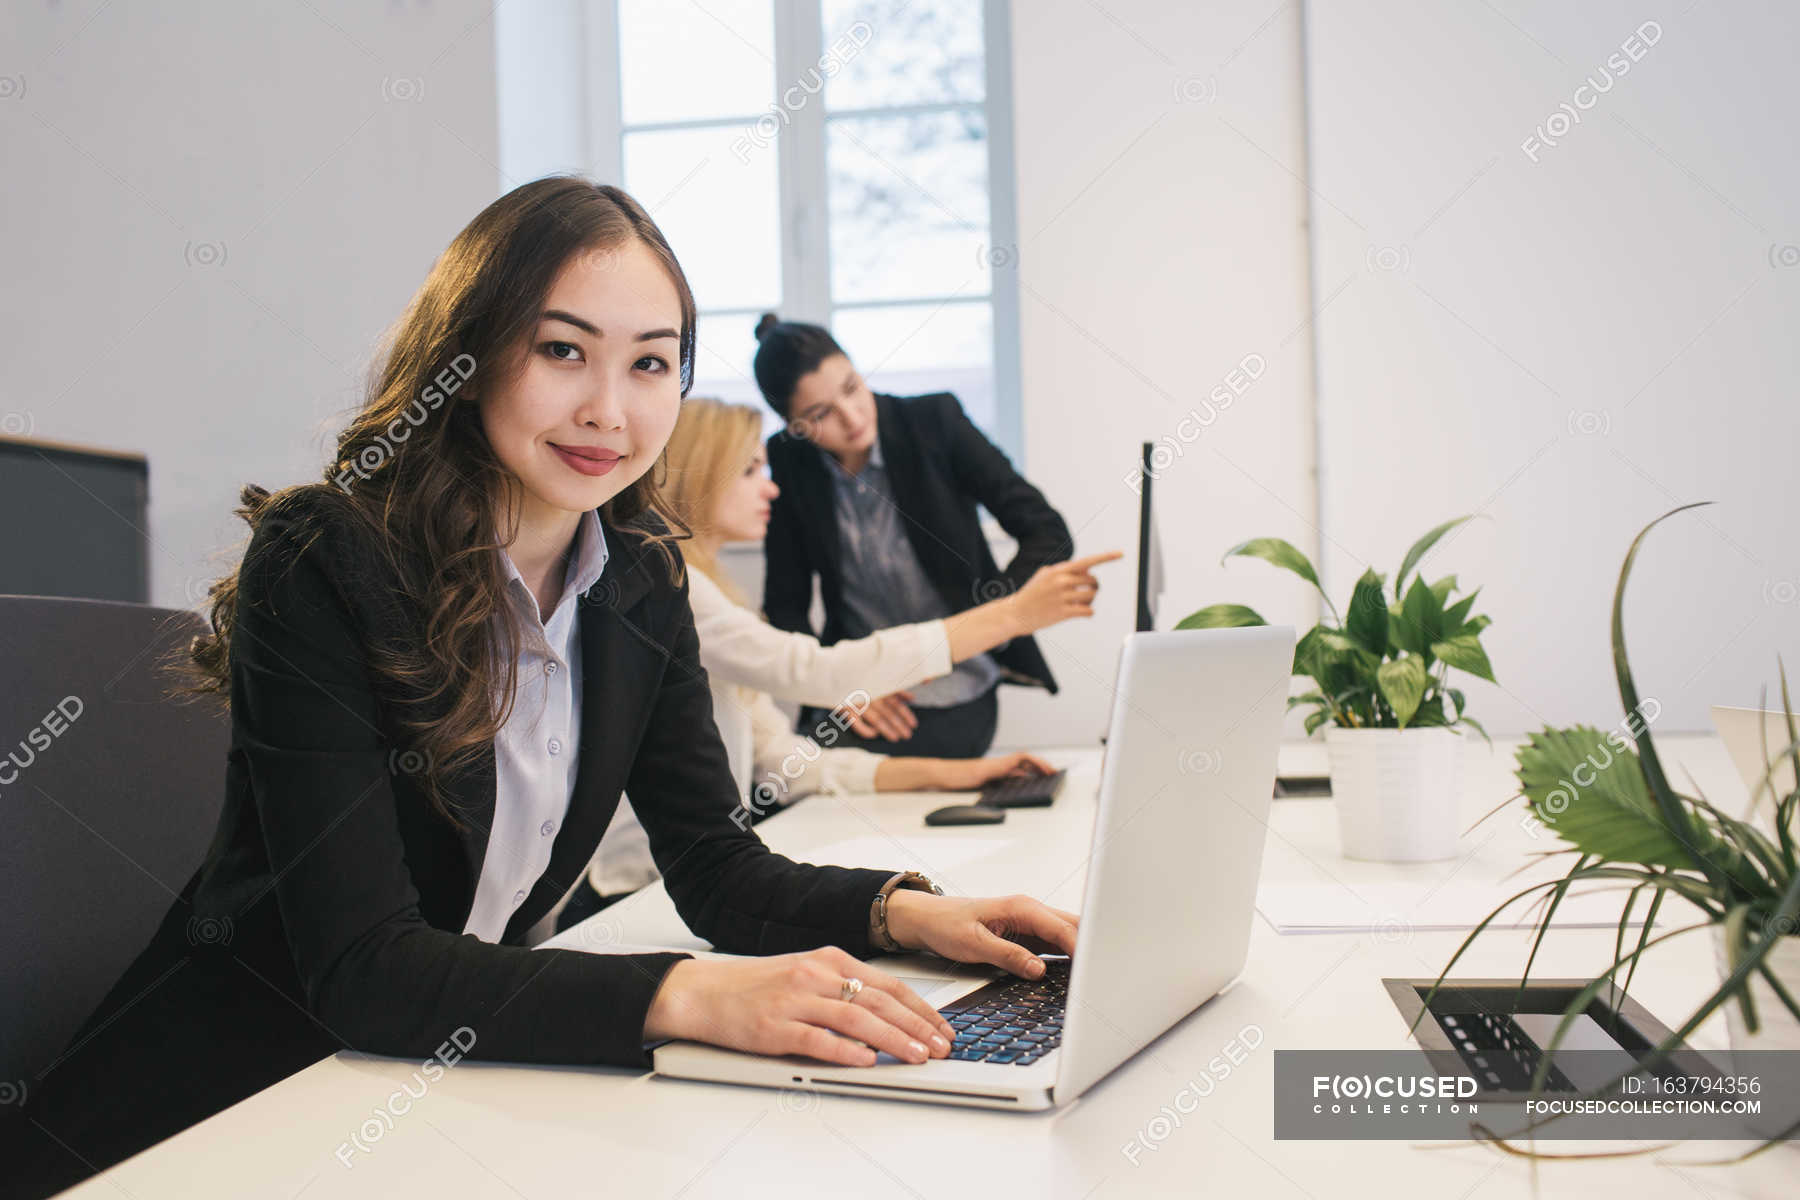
(212,211)
(1571,339)
(541,54)
(1159,152)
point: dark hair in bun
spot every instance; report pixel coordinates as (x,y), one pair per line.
(788,351)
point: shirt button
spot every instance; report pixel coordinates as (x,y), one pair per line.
(549,668)
(547,828)
(555,746)
(518,898)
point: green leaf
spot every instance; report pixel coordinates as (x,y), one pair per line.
(1221,616)
(1464,653)
(1403,684)
(1430,715)
(1317,719)
(1281,553)
(1457,613)
(1421,620)
(1611,815)
(1421,546)
(1303,653)
(1675,817)
(1472,723)
(1443,587)
(1456,699)
(1474,625)
(1368,621)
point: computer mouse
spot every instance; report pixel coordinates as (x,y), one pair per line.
(965,814)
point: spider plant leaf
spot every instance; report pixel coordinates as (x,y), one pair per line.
(1282,553)
(1465,654)
(1784,806)
(1677,821)
(1733,935)
(1470,940)
(1368,620)
(1625,920)
(1585,997)
(1221,616)
(1420,547)
(1543,926)
(1644,934)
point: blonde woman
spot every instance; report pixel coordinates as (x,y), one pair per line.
(717,484)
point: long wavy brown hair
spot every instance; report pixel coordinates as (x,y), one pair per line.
(434,497)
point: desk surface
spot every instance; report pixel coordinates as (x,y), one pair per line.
(492,1130)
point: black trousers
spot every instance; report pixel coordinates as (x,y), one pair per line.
(961,731)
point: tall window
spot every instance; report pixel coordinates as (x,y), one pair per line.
(844,162)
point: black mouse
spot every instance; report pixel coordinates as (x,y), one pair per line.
(965,814)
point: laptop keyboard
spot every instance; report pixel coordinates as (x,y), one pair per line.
(1011,1020)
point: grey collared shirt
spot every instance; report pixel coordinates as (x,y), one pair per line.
(884,585)
(535,752)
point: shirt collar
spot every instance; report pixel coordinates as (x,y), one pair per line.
(843,477)
(585,565)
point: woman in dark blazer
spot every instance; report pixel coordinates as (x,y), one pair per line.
(879,499)
(373,645)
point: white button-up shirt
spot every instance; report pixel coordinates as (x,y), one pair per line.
(535,754)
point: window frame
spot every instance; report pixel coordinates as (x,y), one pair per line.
(803,202)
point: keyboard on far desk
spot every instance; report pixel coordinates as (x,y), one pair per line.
(1023,791)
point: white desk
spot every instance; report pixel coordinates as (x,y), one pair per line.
(486,1130)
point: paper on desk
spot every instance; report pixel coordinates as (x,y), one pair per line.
(1329,907)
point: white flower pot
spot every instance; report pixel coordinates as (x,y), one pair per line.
(1398,792)
(1776,1027)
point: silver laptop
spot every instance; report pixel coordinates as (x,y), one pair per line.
(1185,788)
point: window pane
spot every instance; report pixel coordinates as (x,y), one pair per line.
(682,62)
(722,358)
(903,52)
(910,349)
(716,207)
(909,205)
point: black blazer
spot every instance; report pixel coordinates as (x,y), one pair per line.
(940,467)
(327,913)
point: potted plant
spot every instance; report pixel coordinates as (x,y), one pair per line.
(1381,683)
(1608,797)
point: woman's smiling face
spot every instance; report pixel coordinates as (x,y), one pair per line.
(598,388)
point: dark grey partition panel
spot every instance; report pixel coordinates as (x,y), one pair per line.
(75,522)
(109,792)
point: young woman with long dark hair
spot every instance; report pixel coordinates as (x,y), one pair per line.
(444,661)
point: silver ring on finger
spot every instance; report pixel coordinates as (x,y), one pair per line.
(848,989)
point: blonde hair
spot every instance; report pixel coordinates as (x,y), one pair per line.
(712,443)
